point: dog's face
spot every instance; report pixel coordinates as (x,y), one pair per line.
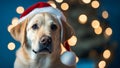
(41,34)
(43,31)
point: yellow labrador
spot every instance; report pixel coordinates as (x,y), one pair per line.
(40,38)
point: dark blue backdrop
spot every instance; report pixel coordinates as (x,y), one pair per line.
(113,7)
(8,11)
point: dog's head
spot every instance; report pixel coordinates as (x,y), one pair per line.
(42,33)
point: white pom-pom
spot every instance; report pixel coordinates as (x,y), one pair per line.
(68,58)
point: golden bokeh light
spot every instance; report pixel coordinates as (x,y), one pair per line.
(77,59)
(82,18)
(105,14)
(10,27)
(15,21)
(20,10)
(72,41)
(95,24)
(64,6)
(95,4)
(11,46)
(86,1)
(52,3)
(98,30)
(62,49)
(102,64)
(59,1)
(108,31)
(106,54)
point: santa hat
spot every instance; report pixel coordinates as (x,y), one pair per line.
(45,7)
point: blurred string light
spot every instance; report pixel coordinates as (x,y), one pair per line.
(106,54)
(20,10)
(102,64)
(52,3)
(98,30)
(72,41)
(62,49)
(82,18)
(108,31)
(77,59)
(11,46)
(105,14)
(95,4)
(59,1)
(64,6)
(86,1)
(10,27)
(15,21)
(95,24)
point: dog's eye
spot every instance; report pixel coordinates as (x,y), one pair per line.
(35,26)
(53,27)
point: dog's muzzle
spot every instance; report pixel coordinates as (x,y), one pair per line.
(45,45)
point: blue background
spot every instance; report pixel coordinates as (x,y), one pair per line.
(8,11)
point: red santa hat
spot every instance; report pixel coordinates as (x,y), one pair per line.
(39,8)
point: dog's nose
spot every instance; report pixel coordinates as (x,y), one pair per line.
(45,40)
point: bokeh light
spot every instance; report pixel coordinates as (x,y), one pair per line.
(20,10)
(64,6)
(95,24)
(10,27)
(72,41)
(77,59)
(52,3)
(11,46)
(95,4)
(86,1)
(62,49)
(82,18)
(105,14)
(108,31)
(102,64)
(98,30)
(15,21)
(106,54)
(59,1)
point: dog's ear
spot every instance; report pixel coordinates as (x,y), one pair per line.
(68,31)
(18,32)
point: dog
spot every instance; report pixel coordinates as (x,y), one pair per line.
(40,38)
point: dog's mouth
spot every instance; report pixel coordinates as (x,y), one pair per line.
(44,50)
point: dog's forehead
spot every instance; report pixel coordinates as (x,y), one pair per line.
(42,18)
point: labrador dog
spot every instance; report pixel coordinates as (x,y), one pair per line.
(40,38)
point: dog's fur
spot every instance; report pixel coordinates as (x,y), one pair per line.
(30,38)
